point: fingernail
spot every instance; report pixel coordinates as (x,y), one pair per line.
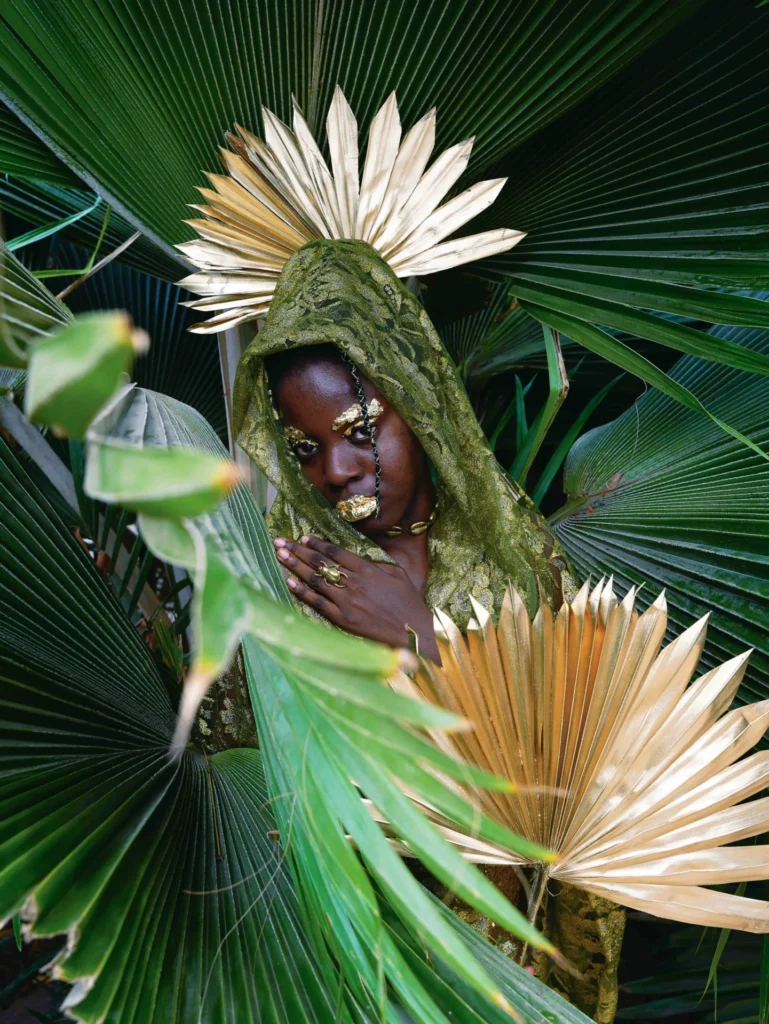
(283,553)
(292,584)
(279,542)
(305,539)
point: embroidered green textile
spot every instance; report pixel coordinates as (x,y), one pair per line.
(487,531)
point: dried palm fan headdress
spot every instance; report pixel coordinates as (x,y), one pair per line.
(279,194)
(630,775)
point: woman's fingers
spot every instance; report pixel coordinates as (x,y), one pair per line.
(315,600)
(300,561)
(326,551)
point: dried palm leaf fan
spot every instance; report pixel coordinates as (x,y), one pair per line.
(280,194)
(630,775)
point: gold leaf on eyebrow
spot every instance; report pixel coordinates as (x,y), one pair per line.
(353,417)
(294,435)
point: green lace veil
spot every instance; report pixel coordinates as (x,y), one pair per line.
(487,532)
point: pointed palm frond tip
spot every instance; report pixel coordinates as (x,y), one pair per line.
(278,194)
(633,776)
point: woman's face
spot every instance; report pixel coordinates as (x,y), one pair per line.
(337,456)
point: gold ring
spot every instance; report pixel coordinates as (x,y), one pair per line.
(332,574)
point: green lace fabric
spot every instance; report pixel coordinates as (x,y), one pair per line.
(487,531)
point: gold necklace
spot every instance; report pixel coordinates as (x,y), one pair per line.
(415,528)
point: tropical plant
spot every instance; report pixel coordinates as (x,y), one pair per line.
(322,717)
(633,140)
(663,496)
(623,769)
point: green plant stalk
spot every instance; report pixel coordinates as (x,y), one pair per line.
(99,240)
(145,568)
(559,388)
(521,422)
(560,453)
(506,416)
(38,234)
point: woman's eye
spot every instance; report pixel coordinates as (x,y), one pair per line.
(305,448)
(359,433)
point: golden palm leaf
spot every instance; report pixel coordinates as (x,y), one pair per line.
(279,194)
(633,777)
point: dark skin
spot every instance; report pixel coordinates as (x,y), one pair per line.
(378,600)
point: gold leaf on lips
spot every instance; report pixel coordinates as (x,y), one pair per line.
(359,506)
(634,776)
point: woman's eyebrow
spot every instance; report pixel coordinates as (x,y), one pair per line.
(353,416)
(294,435)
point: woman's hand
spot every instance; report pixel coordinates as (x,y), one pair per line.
(377,601)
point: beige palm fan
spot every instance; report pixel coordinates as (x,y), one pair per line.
(279,194)
(630,775)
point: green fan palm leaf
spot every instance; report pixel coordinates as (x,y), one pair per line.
(632,136)
(663,496)
(25,156)
(84,857)
(91,80)
(652,195)
(162,870)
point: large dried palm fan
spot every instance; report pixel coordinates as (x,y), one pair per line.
(633,777)
(279,194)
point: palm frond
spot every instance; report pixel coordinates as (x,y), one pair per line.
(41,203)
(281,195)
(620,765)
(663,496)
(90,91)
(652,195)
(28,311)
(24,156)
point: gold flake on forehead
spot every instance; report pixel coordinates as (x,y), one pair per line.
(353,417)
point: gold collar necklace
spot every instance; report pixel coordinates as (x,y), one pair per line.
(415,528)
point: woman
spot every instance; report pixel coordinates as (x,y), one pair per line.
(346,396)
(342,332)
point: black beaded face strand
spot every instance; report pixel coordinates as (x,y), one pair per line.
(369,431)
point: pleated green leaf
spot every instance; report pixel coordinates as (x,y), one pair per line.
(663,496)
(93,80)
(653,195)
(169,877)
(28,311)
(494,340)
(23,155)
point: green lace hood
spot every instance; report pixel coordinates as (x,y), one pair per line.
(487,532)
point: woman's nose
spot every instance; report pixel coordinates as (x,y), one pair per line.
(341,466)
